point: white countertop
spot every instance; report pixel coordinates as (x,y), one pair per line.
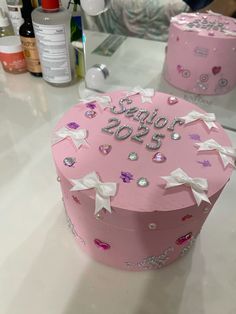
(43,271)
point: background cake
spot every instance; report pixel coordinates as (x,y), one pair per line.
(139,173)
(201,53)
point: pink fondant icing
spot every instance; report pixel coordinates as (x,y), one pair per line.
(125,236)
(201,53)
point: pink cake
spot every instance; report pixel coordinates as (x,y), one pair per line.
(201,53)
(139,175)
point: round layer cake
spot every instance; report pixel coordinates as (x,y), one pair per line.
(139,173)
(201,53)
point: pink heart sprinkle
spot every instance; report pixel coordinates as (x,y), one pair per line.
(180,68)
(105,149)
(102,245)
(183,239)
(187,217)
(216,70)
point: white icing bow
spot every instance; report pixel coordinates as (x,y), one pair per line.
(229,33)
(77,137)
(197,185)
(146,94)
(103,190)
(177,21)
(227,154)
(213,13)
(208,118)
(103,101)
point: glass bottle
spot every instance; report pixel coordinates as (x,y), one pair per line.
(5,27)
(52,31)
(28,41)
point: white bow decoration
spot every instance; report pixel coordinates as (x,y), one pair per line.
(207,118)
(146,94)
(103,190)
(77,137)
(213,13)
(229,33)
(103,101)
(177,21)
(227,154)
(197,185)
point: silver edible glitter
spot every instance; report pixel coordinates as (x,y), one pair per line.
(143,182)
(133,156)
(175,136)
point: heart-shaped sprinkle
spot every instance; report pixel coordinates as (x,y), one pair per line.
(186,217)
(183,239)
(180,68)
(105,149)
(159,157)
(102,245)
(216,70)
(72,125)
(172,100)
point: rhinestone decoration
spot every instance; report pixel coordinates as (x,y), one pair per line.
(159,157)
(70,225)
(133,156)
(184,238)
(102,245)
(151,262)
(73,125)
(105,149)
(195,137)
(186,73)
(172,100)
(99,216)
(126,177)
(58,179)
(91,105)
(69,161)
(175,136)
(204,78)
(205,163)
(90,114)
(185,250)
(222,82)
(152,226)
(142,182)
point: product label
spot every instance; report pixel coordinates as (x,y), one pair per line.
(13,62)
(15,17)
(31,54)
(54,52)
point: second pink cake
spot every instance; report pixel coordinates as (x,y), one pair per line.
(201,53)
(139,171)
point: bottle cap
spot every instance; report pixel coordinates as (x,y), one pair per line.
(10,44)
(50,4)
(4,22)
